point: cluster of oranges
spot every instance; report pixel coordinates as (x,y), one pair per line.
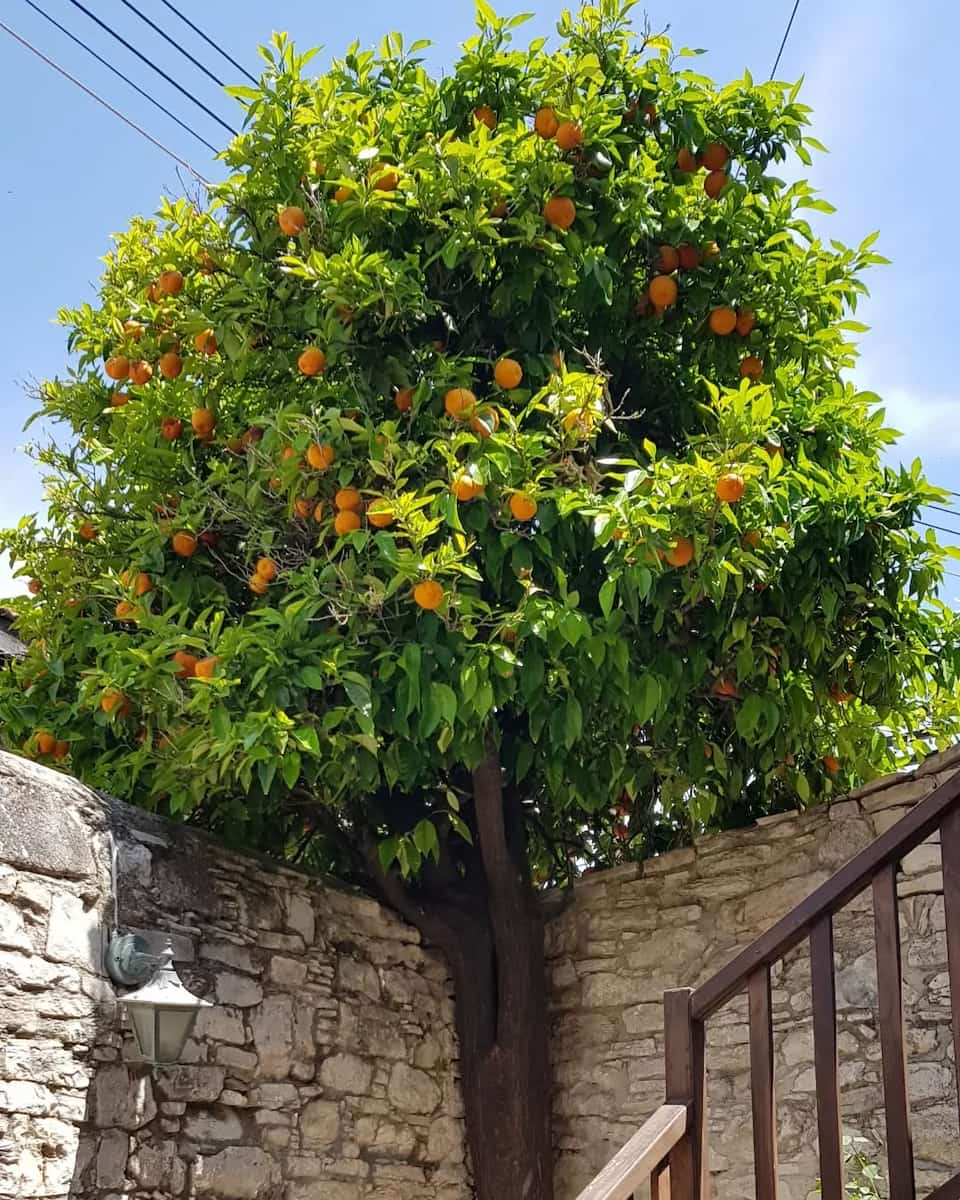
(723,321)
(191,666)
(713,159)
(49,746)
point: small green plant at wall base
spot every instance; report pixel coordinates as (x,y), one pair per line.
(863,1177)
(476,556)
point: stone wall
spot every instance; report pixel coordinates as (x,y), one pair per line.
(326,1069)
(633,932)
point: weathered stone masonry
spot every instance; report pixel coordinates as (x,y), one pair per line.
(327,1071)
(327,1068)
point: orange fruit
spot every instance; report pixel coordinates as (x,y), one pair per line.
(545,123)
(205,342)
(465,487)
(714,183)
(113,698)
(662,291)
(560,212)
(569,135)
(187,664)
(318,511)
(125,611)
(320,457)
(687,161)
(266,568)
(206,667)
(689,257)
(348,498)
(667,260)
(291,220)
(251,437)
(723,320)
(716,156)
(745,322)
(346,521)
(486,116)
(459,403)
(839,696)
(499,209)
(725,687)
(34,587)
(650,115)
(61,750)
(256,583)
(428,594)
(184,544)
(751,368)
(119,400)
(170,364)
(171,428)
(380,513)
(288,453)
(303,506)
(203,421)
(88,531)
(384,177)
(710,252)
(403,399)
(46,742)
(831,762)
(170,283)
(752,538)
(730,488)
(507,373)
(312,361)
(117,367)
(485,421)
(142,584)
(681,552)
(522,506)
(342,193)
(140,372)
(133,329)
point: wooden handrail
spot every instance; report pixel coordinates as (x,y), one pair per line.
(849,881)
(636,1161)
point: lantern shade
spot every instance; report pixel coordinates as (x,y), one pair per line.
(163,1013)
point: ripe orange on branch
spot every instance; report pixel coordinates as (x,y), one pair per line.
(187,664)
(348,498)
(184,544)
(687,161)
(292,220)
(522,506)
(117,367)
(507,373)
(380,514)
(662,291)
(751,368)
(486,116)
(428,594)
(312,361)
(140,373)
(681,553)
(205,342)
(723,320)
(560,212)
(171,428)
(170,283)
(716,156)
(546,123)
(347,520)
(730,488)
(745,322)
(569,135)
(668,260)
(320,457)
(170,364)
(714,183)
(459,403)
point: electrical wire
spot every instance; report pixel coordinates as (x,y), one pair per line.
(99,99)
(153,67)
(110,67)
(210,42)
(940,528)
(176,45)
(785,36)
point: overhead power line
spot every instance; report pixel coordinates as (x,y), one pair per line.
(153,66)
(175,44)
(940,528)
(110,67)
(210,42)
(786,35)
(99,99)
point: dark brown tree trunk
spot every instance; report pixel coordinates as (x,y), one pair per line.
(492,937)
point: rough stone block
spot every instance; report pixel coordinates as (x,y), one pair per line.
(319,1125)
(346,1073)
(411,1090)
(41,827)
(238,990)
(13,933)
(75,933)
(237,1173)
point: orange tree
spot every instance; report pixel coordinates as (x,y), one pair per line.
(470,492)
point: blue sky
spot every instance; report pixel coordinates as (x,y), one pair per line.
(72,173)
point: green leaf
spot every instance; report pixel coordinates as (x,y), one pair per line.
(608,594)
(290,768)
(426,840)
(387,853)
(572,721)
(313,678)
(645,697)
(446,700)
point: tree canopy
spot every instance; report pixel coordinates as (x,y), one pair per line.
(510,408)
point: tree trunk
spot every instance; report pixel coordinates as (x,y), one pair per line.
(492,936)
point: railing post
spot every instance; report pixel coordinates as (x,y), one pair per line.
(686,1084)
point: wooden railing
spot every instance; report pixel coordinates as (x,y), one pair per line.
(671,1148)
